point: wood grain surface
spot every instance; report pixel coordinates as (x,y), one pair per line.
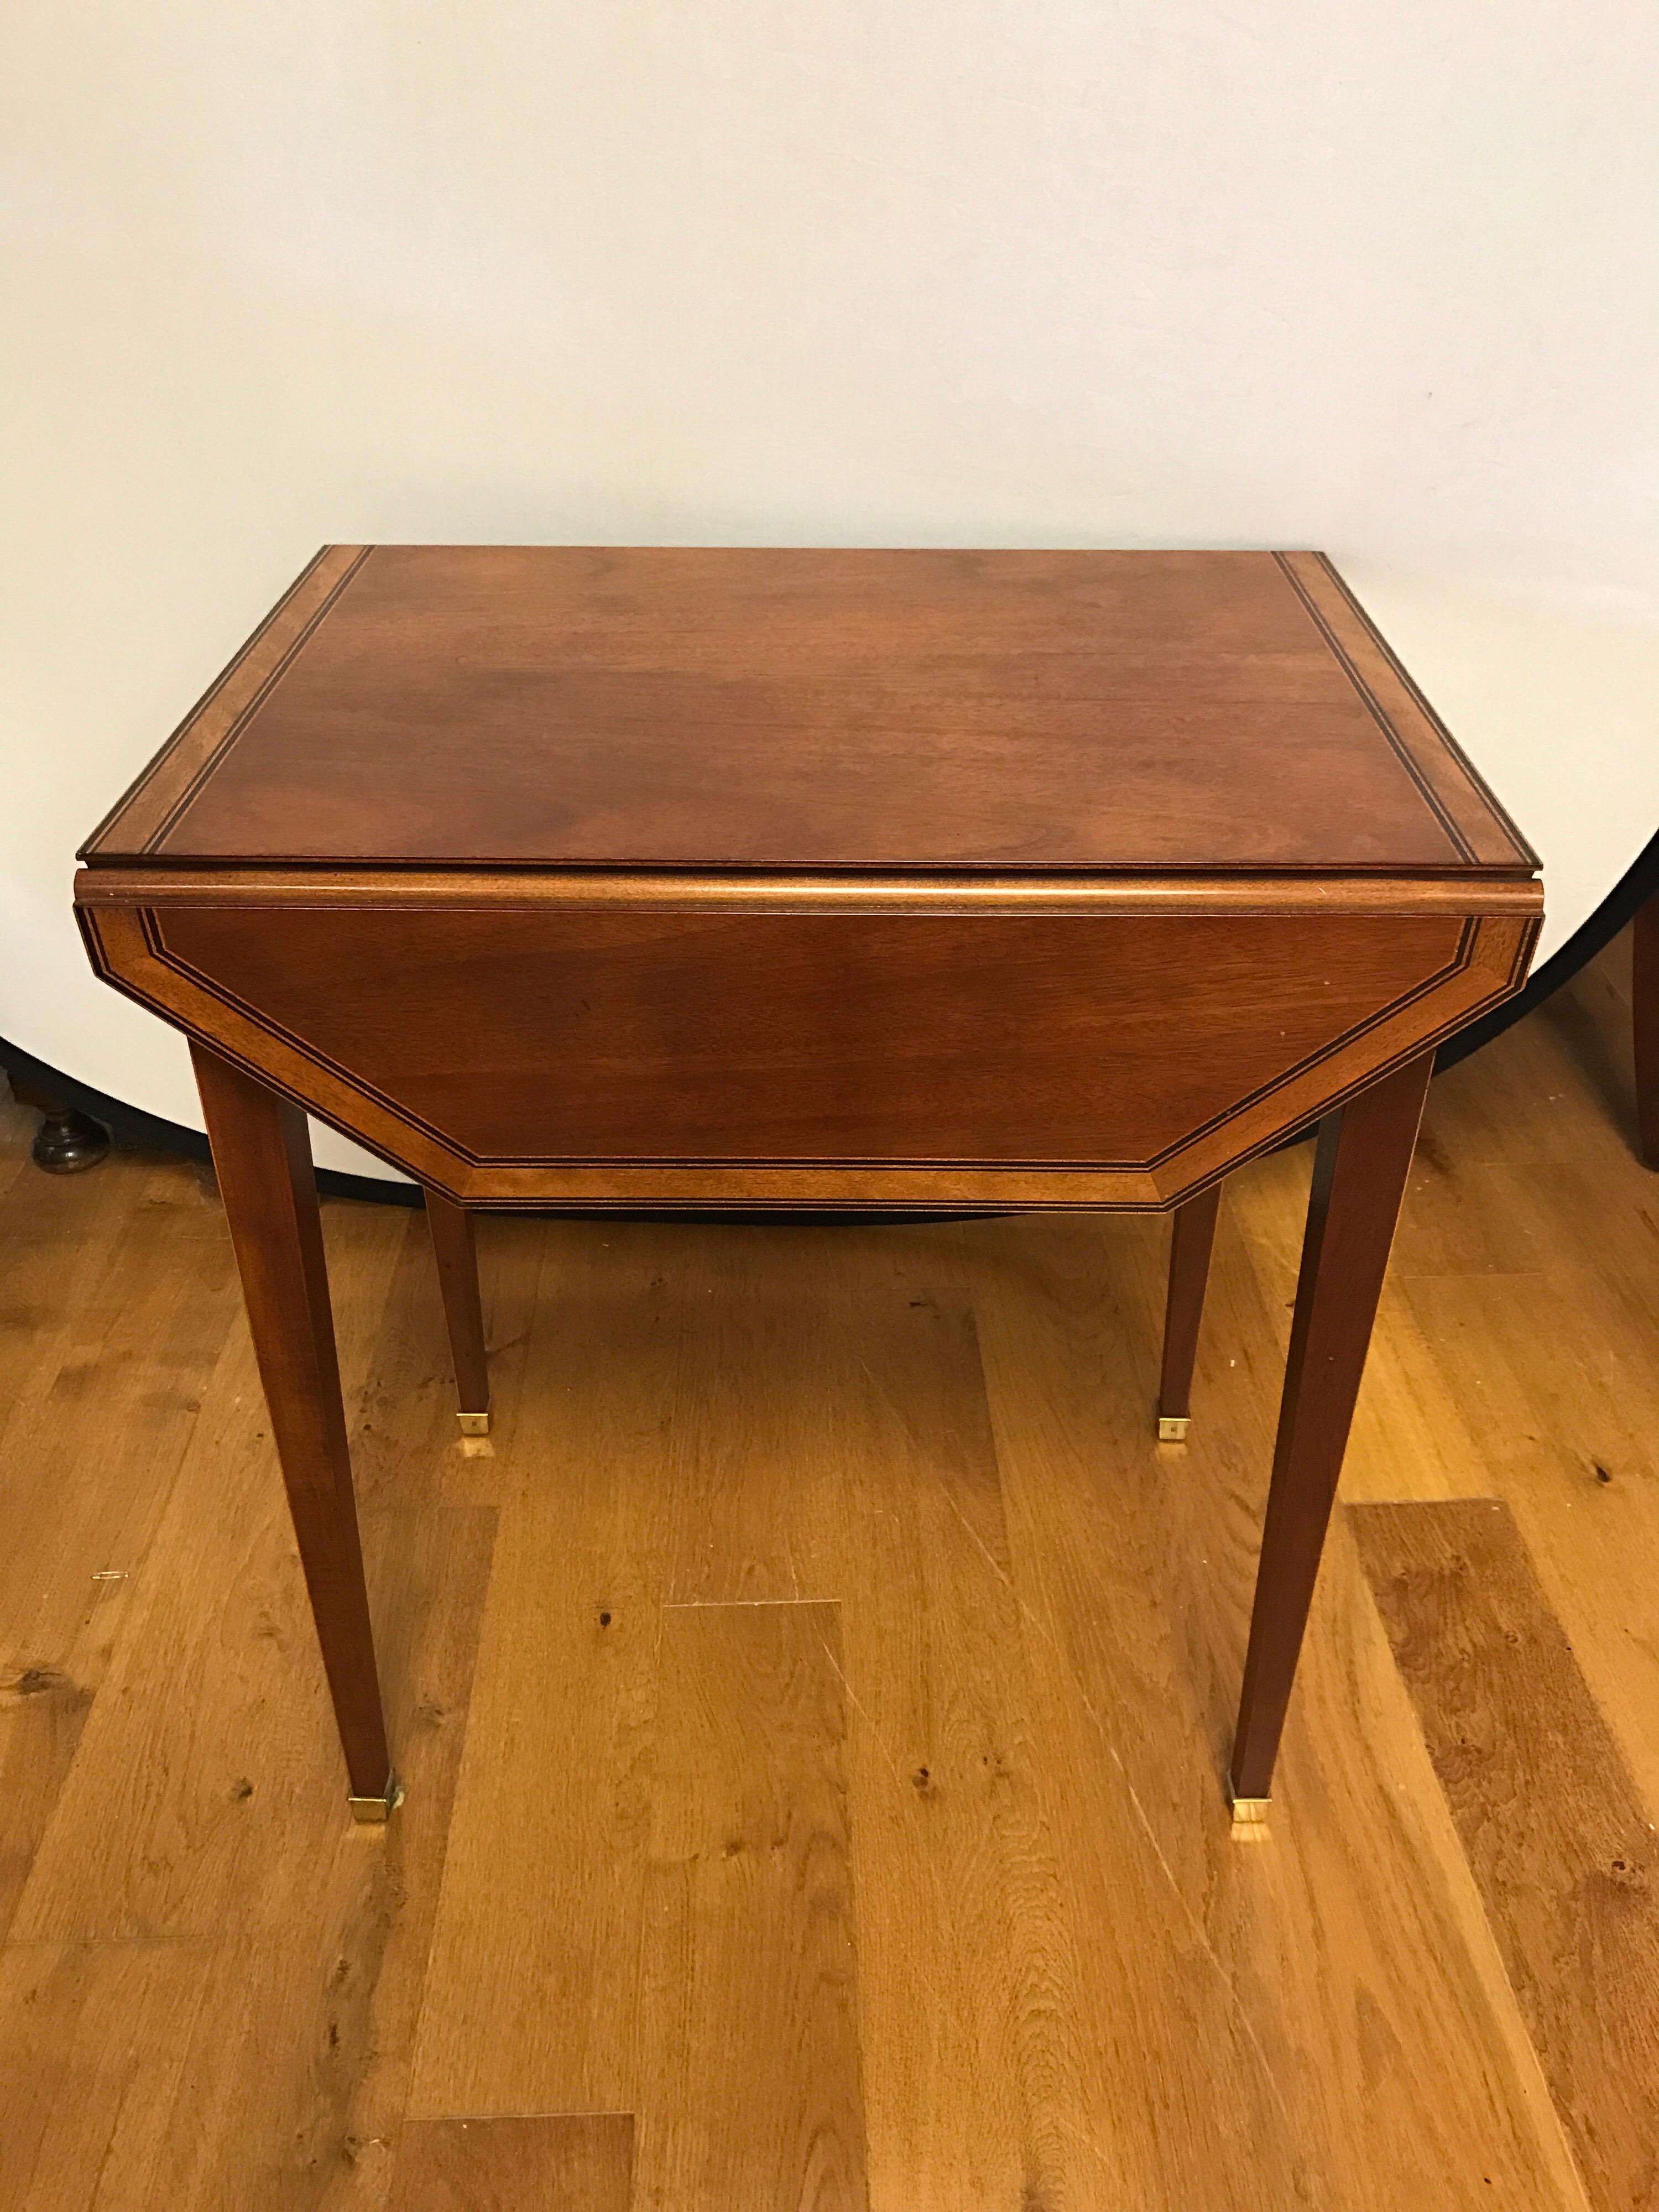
(783,1040)
(985,1728)
(1548,1813)
(569,2162)
(747,1990)
(744,707)
(838,877)
(140,819)
(627,1054)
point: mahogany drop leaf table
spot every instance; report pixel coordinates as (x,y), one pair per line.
(691,879)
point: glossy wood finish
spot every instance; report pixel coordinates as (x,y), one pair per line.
(683,879)
(455,1250)
(581,1044)
(262,1156)
(820,1041)
(1192,1235)
(803,709)
(1358,1180)
(214,1990)
(1645,1002)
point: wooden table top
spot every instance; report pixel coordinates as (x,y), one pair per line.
(682,708)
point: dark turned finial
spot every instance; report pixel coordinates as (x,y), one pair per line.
(67,1140)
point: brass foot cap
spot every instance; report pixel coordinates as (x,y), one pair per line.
(1172,1428)
(474,1424)
(1250,1811)
(374,1810)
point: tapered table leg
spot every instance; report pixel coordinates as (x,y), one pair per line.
(1359,1178)
(457,1255)
(1190,1241)
(262,1156)
(1645,998)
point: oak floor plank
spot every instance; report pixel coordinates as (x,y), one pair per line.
(972,2096)
(1558,1085)
(86,1465)
(1345,2009)
(298,2076)
(748,1987)
(1059,1344)
(1594,1239)
(207,1750)
(1568,1420)
(1557,1366)
(1371,1775)
(93,2039)
(1588,1028)
(295,2079)
(1542,1374)
(530,2000)
(832,1440)
(1550,1817)
(116,1391)
(577,2162)
(57,1234)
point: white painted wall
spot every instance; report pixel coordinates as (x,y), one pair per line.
(1381,276)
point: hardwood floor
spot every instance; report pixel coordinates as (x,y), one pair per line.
(813,1697)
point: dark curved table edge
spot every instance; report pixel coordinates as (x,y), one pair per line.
(134,1130)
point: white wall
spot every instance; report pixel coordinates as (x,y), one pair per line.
(1378,275)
